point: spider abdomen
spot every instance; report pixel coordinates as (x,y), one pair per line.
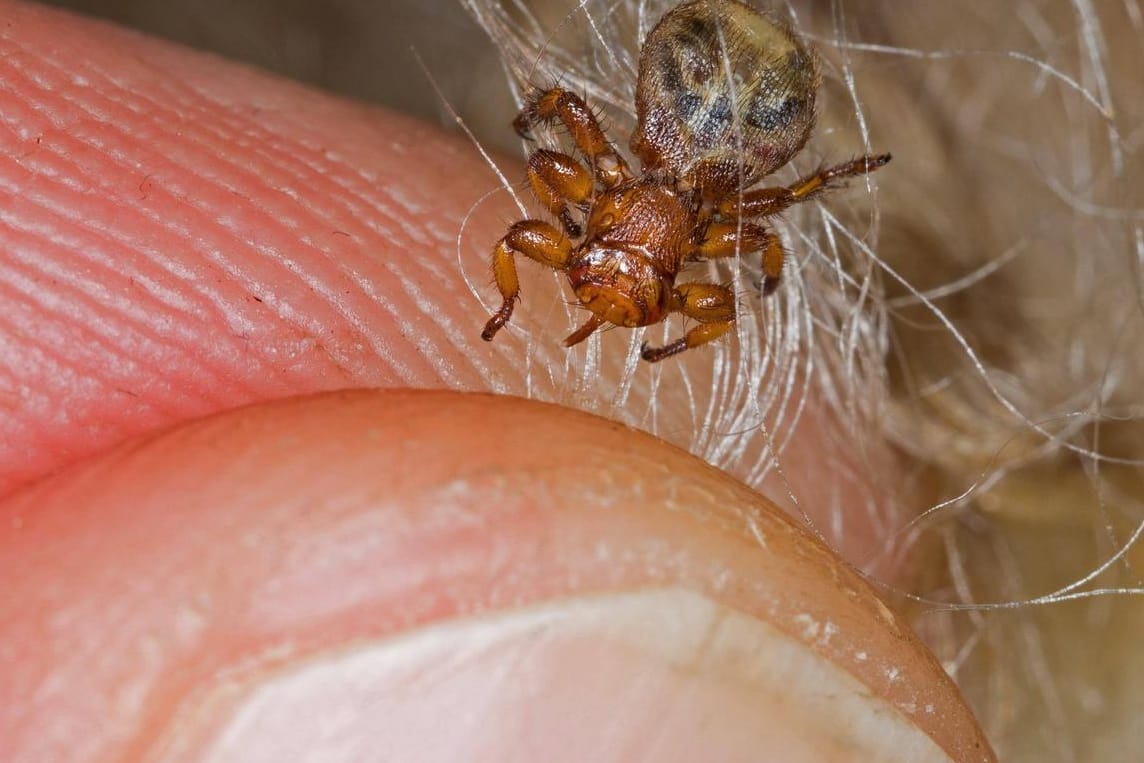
(725,96)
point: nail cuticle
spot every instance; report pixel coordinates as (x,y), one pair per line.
(660,672)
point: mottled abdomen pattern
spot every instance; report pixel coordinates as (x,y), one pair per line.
(725,96)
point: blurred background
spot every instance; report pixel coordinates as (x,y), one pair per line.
(358,48)
(1013,391)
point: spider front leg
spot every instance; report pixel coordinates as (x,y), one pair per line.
(764,202)
(534,239)
(713,306)
(555,103)
(557,180)
(725,239)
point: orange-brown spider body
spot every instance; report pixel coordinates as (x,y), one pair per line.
(725,97)
(625,270)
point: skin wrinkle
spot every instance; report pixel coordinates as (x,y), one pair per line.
(271,222)
(105,348)
(36,332)
(236,367)
(336,173)
(71,294)
(407,282)
(128,245)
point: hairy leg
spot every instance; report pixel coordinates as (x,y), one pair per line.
(558,103)
(725,239)
(534,239)
(558,180)
(712,305)
(585,331)
(765,202)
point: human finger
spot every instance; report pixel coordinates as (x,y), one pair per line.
(438,576)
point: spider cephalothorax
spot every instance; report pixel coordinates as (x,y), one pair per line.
(725,97)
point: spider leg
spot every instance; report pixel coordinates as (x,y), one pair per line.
(585,331)
(764,202)
(712,305)
(724,239)
(557,180)
(555,103)
(534,239)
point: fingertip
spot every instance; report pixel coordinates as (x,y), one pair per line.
(237,550)
(183,235)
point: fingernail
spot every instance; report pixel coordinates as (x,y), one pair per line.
(663,675)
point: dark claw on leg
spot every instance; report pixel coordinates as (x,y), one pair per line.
(656,354)
(571,227)
(497,322)
(523,125)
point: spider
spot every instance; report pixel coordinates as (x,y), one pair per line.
(725,96)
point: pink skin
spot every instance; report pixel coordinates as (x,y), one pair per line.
(180,237)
